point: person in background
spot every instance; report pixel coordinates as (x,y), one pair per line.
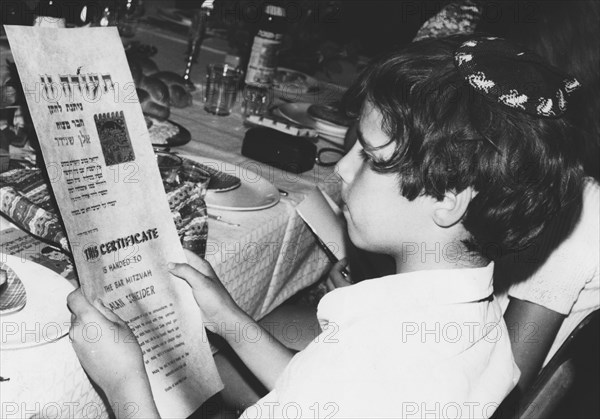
(442,161)
(565,33)
(555,284)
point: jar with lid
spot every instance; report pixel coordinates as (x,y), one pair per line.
(50,14)
(265,47)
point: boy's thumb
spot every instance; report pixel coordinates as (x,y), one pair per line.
(106,312)
(185,272)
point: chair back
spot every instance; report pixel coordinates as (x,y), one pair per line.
(569,383)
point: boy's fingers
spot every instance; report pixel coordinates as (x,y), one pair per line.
(199,263)
(340,264)
(329,285)
(77,303)
(106,312)
(81,307)
(340,274)
(338,281)
(187,273)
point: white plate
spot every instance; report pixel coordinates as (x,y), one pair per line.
(297,83)
(45,318)
(329,128)
(339,141)
(255,192)
(298,112)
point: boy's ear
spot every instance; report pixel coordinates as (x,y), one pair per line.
(452,207)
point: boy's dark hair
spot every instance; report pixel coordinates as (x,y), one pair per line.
(449,137)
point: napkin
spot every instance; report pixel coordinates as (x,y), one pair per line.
(323,218)
(12,292)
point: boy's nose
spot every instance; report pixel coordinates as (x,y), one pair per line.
(345,167)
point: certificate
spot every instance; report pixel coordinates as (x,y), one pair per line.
(103,173)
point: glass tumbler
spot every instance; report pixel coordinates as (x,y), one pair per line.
(222,82)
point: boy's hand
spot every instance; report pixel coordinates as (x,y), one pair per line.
(266,357)
(339,275)
(105,346)
(210,294)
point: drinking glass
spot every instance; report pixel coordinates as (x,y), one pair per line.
(222,82)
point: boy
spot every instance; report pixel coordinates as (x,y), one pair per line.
(455,165)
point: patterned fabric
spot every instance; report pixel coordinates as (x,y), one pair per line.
(12,292)
(514,77)
(455,18)
(190,216)
(26,200)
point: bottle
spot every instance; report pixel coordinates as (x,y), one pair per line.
(265,47)
(86,13)
(129,15)
(196,36)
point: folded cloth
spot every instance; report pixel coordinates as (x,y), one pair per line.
(25,199)
(190,216)
(12,292)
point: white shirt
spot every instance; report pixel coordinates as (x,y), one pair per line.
(408,345)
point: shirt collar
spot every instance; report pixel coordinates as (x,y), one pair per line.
(412,289)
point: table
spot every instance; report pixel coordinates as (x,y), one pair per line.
(270,257)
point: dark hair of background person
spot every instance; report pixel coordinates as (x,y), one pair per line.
(566,34)
(448,138)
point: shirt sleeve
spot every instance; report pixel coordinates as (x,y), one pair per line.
(558,282)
